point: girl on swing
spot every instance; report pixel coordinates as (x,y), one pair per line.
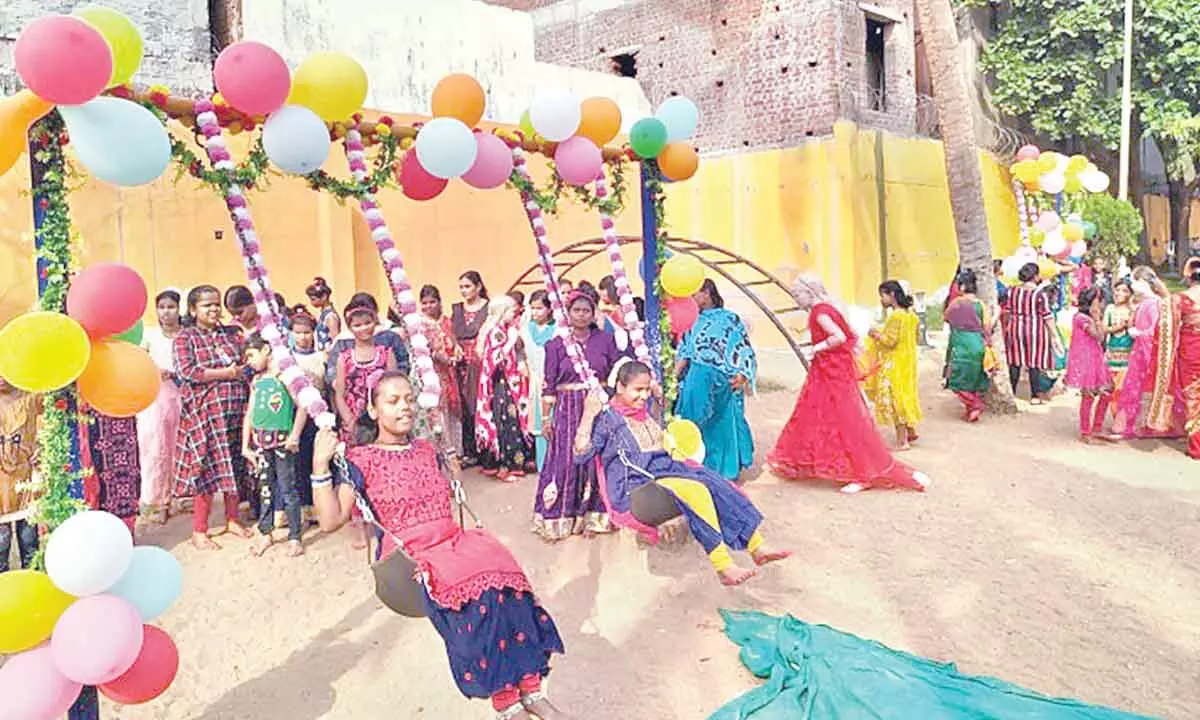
(629,444)
(498,637)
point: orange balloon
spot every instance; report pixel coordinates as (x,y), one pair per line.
(601,120)
(459,96)
(678,161)
(120,380)
(17,114)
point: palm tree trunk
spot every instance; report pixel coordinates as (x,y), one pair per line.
(956,120)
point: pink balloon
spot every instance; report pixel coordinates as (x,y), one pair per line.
(1048,220)
(683,312)
(1028,152)
(493,163)
(107,298)
(97,639)
(63,60)
(252,77)
(416,182)
(578,160)
(32,688)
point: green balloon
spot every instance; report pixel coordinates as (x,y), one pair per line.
(648,137)
(526,125)
(133,335)
(1089,229)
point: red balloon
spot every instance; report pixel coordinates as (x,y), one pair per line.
(252,77)
(106,299)
(683,312)
(150,675)
(63,60)
(416,182)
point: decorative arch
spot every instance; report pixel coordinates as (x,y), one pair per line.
(717,259)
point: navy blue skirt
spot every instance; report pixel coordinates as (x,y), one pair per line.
(496,640)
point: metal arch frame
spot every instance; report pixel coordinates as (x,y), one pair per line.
(584,250)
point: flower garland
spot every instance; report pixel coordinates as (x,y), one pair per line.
(637,336)
(393,265)
(1023,218)
(364,183)
(666,350)
(269,322)
(534,212)
(548,198)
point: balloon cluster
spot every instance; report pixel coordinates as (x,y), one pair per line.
(681,277)
(93,604)
(1053,173)
(94,345)
(68,61)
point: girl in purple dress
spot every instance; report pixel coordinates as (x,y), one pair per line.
(568,499)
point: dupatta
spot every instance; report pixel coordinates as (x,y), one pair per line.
(499,352)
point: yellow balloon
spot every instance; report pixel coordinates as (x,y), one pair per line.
(122,36)
(1048,161)
(331,84)
(30,605)
(682,275)
(684,439)
(43,351)
(1026,171)
(1072,232)
(1076,164)
(1047,268)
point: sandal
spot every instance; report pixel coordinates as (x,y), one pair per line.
(511,711)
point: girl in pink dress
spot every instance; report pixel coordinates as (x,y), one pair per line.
(1086,366)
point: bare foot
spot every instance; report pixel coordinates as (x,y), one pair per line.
(294,548)
(1108,437)
(1086,439)
(542,708)
(201,541)
(261,545)
(735,576)
(360,537)
(903,448)
(762,557)
(237,530)
(852,488)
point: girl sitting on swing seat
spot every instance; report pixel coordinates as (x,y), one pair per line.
(629,445)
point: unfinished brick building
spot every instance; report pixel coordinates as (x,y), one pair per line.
(765,73)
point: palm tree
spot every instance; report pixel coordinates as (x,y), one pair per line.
(956,121)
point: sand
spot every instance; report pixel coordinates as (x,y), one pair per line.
(1066,568)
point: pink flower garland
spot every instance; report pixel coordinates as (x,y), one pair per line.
(637,336)
(1024,220)
(393,266)
(538,225)
(269,322)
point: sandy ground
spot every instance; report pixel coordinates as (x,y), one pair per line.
(1069,569)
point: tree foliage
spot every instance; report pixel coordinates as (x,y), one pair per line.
(1118,226)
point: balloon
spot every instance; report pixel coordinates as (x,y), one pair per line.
(252,77)
(63,60)
(1028,152)
(526,126)
(1012,265)
(1026,171)
(1054,244)
(118,141)
(683,312)
(648,137)
(1078,249)
(1048,161)
(97,639)
(1047,268)
(461,97)
(1048,220)
(680,116)
(151,673)
(1037,236)
(17,114)
(152,583)
(121,380)
(446,147)
(33,688)
(1089,229)
(667,253)
(600,120)
(29,606)
(133,335)
(1094,182)
(122,37)
(683,438)
(1076,164)
(331,84)
(296,140)
(1072,232)
(43,351)
(107,298)
(578,160)
(1025,252)
(493,163)
(682,275)
(416,182)
(88,553)
(1074,184)
(678,161)
(1053,182)
(555,114)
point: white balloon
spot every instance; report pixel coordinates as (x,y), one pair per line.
(555,114)
(1054,244)
(296,140)
(1079,248)
(1094,182)
(1026,253)
(1053,182)
(88,553)
(1011,266)
(446,147)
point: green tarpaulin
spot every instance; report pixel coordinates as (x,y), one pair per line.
(814,672)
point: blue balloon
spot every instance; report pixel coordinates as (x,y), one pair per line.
(152,583)
(642,268)
(296,140)
(118,141)
(681,116)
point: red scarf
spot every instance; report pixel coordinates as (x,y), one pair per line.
(626,410)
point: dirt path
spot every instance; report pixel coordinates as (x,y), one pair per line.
(1069,569)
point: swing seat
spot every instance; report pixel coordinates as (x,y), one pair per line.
(654,505)
(397,586)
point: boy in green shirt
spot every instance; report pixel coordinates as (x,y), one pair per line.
(270,441)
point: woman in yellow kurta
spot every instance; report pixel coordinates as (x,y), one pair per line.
(892,383)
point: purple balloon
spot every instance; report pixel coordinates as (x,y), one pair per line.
(578,160)
(97,639)
(493,163)
(33,688)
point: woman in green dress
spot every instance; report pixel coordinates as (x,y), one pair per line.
(966,364)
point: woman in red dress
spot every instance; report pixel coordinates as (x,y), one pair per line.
(831,434)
